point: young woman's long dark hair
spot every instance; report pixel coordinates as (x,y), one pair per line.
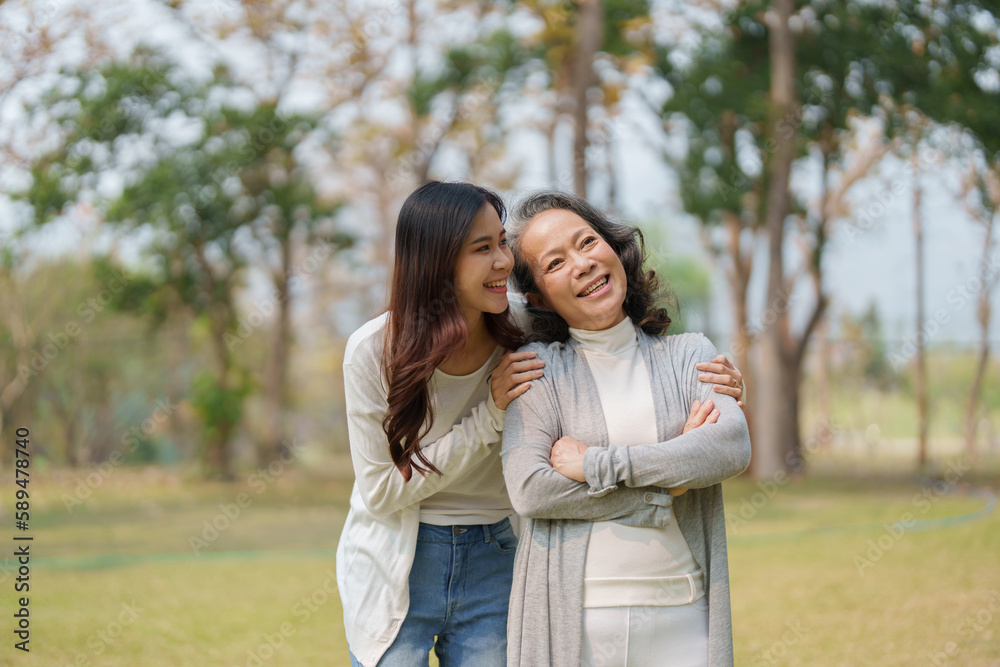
(425,320)
(644,298)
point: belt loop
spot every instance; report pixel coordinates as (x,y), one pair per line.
(691,584)
(487,533)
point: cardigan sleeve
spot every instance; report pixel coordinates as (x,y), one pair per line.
(381,485)
(699,458)
(538,491)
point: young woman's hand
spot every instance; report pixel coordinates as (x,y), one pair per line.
(512,376)
(726,378)
(567,458)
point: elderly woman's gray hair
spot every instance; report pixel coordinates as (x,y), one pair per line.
(644,300)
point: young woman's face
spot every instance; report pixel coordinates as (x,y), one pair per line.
(579,276)
(483,264)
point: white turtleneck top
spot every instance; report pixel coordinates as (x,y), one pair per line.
(630,566)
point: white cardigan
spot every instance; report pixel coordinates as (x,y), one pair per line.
(378,543)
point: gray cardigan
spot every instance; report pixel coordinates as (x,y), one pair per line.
(624,484)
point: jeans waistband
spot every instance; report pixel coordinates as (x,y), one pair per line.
(460,534)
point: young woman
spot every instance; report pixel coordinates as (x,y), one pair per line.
(618,566)
(426,556)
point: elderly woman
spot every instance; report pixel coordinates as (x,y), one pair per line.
(617,564)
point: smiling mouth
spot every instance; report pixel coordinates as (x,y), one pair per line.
(595,286)
(496,284)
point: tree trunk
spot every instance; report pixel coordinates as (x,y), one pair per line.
(68,415)
(739,282)
(179,425)
(589,29)
(823,386)
(918,234)
(277,371)
(776,393)
(550,145)
(983,314)
(217,457)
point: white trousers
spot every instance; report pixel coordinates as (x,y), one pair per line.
(646,636)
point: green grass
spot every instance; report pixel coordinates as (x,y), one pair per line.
(819,579)
(264,587)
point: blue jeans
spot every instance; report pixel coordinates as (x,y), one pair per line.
(459,592)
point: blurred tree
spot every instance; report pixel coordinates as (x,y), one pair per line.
(26,351)
(203,178)
(70,373)
(30,36)
(292,242)
(944,60)
(918,124)
(780,83)
(587,53)
(982,189)
(867,358)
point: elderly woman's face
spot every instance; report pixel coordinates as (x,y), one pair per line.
(579,276)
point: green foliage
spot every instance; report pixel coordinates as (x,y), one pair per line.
(938,56)
(685,281)
(869,357)
(219,407)
(484,63)
(851,58)
(196,172)
(139,294)
(621,17)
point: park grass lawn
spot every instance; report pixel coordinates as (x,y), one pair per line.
(117,582)
(821,576)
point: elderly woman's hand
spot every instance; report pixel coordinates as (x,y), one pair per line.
(567,458)
(567,453)
(701,414)
(726,378)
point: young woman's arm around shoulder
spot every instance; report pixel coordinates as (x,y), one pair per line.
(383,488)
